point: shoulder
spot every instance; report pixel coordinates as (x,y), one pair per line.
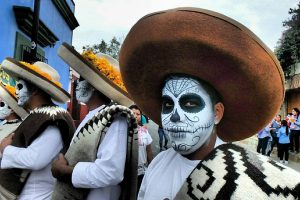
(50,113)
(165,156)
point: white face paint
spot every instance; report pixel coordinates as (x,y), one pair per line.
(22,92)
(84,91)
(5,111)
(187,114)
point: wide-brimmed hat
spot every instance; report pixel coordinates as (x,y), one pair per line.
(211,47)
(90,72)
(40,74)
(8,94)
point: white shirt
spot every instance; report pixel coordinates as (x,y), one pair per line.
(166,174)
(104,175)
(144,139)
(37,157)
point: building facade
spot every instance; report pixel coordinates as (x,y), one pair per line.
(56,25)
(292,89)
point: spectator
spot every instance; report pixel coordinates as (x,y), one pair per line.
(263,138)
(287,118)
(295,130)
(283,142)
(275,125)
(144,140)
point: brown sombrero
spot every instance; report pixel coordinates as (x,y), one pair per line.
(93,75)
(7,94)
(40,74)
(211,47)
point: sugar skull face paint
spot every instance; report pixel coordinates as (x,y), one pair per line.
(5,110)
(84,91)
(22,92)
(187,114)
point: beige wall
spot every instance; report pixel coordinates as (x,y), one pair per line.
(293,100)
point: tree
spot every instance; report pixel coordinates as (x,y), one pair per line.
(288,49)
(112,49)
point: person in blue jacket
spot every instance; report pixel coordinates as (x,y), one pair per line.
(284,142)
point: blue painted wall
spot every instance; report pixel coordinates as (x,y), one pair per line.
(51,18)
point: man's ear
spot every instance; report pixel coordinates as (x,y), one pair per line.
(219,111)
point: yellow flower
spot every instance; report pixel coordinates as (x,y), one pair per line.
(37,70)
(11,89)
(105,68)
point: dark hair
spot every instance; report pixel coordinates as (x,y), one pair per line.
(284,123)
(297,111)
(211,91)
(135,107)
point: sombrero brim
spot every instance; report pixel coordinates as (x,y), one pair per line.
(18,70)
(211,47)
(6,96)
(90,73)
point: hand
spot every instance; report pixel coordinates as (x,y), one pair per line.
(61,170)
(6,141)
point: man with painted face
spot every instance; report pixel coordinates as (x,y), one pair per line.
(10,112)
(28,152)
(190,111)
(204,76)
(93,166)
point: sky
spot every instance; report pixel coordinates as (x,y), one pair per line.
(104,19)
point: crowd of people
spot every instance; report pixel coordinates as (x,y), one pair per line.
(281,133)
(187,80)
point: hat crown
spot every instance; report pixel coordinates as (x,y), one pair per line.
(44,67)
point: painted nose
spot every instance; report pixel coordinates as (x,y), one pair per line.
(175,117)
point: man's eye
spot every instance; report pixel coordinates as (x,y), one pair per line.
(167,104)
(19,86)
(191,103)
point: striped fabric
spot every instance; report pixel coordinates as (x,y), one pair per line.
(231,172)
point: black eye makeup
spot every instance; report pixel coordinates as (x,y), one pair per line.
(167,104)
(191,103)
(19,86)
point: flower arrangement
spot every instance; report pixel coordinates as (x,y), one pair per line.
(105,68)
(37,70)
(11,89)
